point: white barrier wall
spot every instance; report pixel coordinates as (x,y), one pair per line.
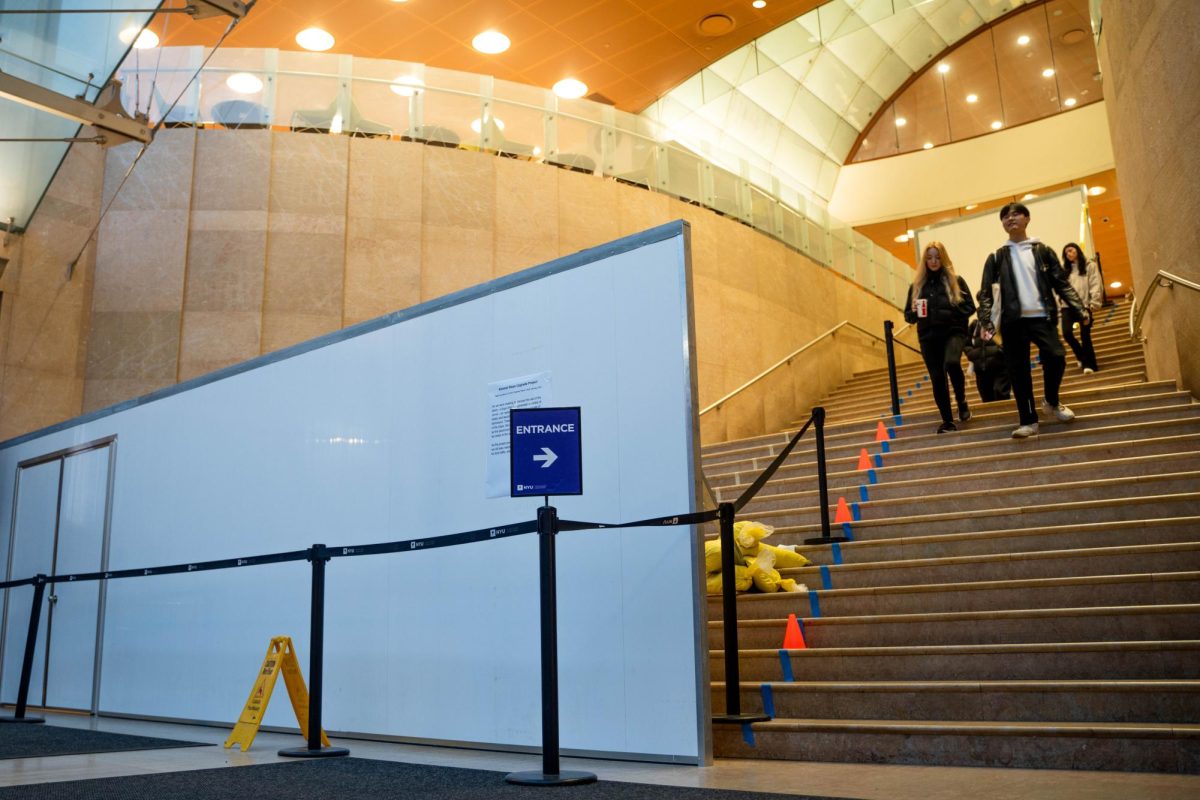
(379,433)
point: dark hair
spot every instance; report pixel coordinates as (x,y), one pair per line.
(1020,208)
(1080,263)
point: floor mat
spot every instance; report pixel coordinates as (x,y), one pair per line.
(29,740)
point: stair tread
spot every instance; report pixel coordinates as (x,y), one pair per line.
(960,616)
(1007,648)
(1145,685)
(928,727)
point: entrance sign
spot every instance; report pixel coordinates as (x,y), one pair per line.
(529,391)
(280,657)
(546,451)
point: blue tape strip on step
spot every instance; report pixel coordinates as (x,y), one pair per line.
(768,700)
(878,460)
(856,512)
(814,603)
(899,418)
(747,734)
(836,547)
(910,392)
(785,666)
(885,446)
(849,534)
(862,494)
(872,478)
(891,433)
(826,578)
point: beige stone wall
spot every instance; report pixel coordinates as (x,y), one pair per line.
(1152,87)
(224,245)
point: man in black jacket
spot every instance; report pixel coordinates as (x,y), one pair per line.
(1028,276)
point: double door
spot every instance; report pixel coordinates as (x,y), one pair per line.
(61,510)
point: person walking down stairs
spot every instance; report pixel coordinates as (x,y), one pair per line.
(1084,277)
(1021,278)
(940,303)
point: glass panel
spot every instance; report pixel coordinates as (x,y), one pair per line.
(229,103)
(726,190)
(952,21)
(832,81)
(384,96)
(861,51)
(163,85)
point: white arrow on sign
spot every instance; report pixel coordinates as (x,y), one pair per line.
(549,457)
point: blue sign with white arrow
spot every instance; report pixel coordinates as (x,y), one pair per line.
(546,451)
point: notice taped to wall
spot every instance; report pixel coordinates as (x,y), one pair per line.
(529,391)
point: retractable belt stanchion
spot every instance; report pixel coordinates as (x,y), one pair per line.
(318,555)
(733,677)
(823,481)
(35,616)
(550,774)
(891,356)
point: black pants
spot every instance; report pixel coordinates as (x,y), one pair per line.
(1085,354)
(1018,336)
(993,384)
(943,357)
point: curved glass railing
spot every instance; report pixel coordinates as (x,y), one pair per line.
(341,94)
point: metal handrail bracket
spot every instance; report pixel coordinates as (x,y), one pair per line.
(788,359)
(1163,279)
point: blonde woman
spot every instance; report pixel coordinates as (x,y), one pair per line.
(940,303)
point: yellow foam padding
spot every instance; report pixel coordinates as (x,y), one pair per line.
(742,582)
(789,585)
(762,570)
(786,558)
(712,556)
(748,533)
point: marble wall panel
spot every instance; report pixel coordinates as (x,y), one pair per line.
(526,215)
(33,399)
(282,329)
(587,211)
(453,259)
(741,335)
(735,255)
(232,174)
(458,190)
(102,393)
(162,178)
(703,233)
(639,209)
(140,261)
(134,344)
(383,267)
(216,339)
(386,180)
(308,179)
(44,333)
(225,267)
(304,273)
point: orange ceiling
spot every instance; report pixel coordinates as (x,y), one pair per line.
(627,52)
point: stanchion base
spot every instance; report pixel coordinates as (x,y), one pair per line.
(827,539)
(321,752)
(737,719)
(21,719)
(568,777)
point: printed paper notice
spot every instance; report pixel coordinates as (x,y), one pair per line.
(530,391)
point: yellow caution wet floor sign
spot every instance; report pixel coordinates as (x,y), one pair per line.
(281,657)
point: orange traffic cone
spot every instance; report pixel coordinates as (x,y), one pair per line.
(864,460)
(793,638)
(843,512)
(881,432)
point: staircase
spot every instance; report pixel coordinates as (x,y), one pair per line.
(1003,603)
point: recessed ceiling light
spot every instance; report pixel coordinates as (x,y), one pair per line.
(570,88)
(1070,101)
(1115,285)
(1022,40)
(759,3)
(314,39)
(407,85)
(971,206)
(142,38)
(902,238)
(1097,190)
(1028,196)
(943,68)
(997,125)
(491,42)
(477,124)
(244,83)
(927,146)
(1048,72)
(901,122)
(972,98)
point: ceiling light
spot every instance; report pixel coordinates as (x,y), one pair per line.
(477,124)
(997,125)
(314,39)
(491,42)
(142,38)
(759,3)
(972,98)
(1048,72)
(1115,285)
(927,146)
(901,122)
(1070,101)
(244,83)
(407,85)
(1028,196)
(570,88)
(1022,40)
(902,238)
(1094,191)
(943,68)
(971,206)
(910,233)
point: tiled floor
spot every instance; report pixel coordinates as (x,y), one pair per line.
(834,780)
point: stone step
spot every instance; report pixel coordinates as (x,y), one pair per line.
(1144,589)
(1108,701)
(1082,561)
(1021,538)
(1132,660)
(1145,747)
(1092,624)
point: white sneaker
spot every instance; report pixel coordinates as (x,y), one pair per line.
(1088,370)
(1060,412)
(1025,431)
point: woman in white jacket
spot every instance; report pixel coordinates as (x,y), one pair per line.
(1084,277)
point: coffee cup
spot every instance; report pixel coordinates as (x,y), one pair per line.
(922,308)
